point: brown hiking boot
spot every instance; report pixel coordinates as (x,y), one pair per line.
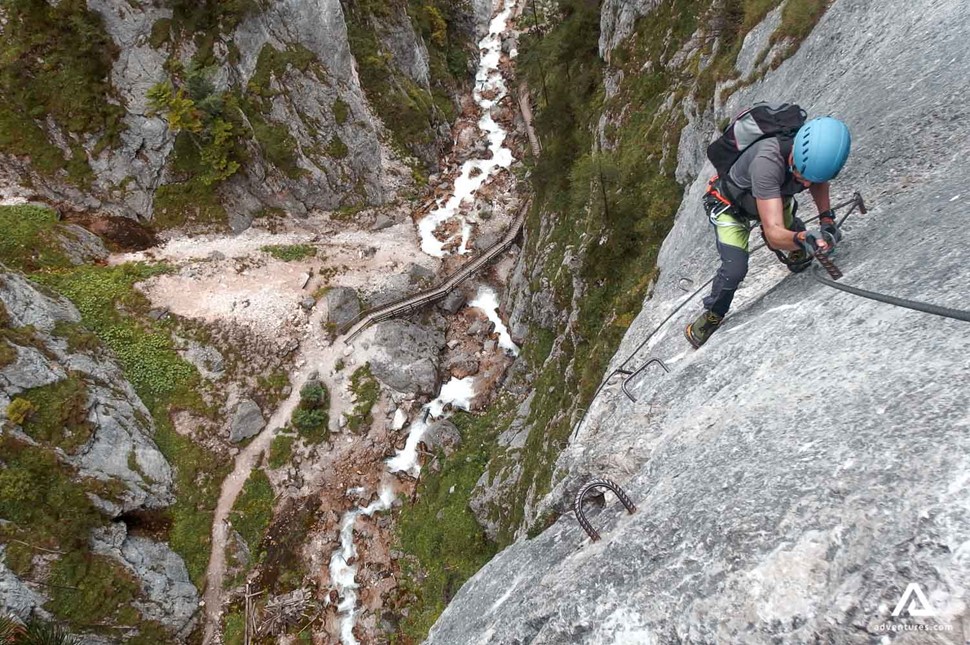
(701,329)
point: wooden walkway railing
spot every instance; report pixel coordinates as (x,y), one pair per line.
(410,304)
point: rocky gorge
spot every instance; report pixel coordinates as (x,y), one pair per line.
(194,451)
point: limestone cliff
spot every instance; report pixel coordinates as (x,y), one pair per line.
(79,464)
(215,112)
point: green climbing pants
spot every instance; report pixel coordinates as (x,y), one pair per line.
(731,236)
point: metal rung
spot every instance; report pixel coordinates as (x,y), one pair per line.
(626,381)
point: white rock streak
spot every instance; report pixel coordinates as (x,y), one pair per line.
(488,83)
(487,301)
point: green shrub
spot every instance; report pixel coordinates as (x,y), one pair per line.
(366,391)
(290,252)
(311,424)
(20,410)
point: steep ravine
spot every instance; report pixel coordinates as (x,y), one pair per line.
(796,475)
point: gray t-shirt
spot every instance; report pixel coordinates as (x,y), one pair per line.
(762,170)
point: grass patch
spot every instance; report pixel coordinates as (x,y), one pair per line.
(30,240)
(253,510)
(88,589)
(439,531)
(366,391)
(290,252)
(281,451)
(189,202)
(59,414)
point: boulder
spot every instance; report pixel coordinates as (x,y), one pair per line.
(170,598)
(247,421)
(381,222)
(419,275)
(406,356)
(454,301)
(443,435)
(343,305)
(207,359)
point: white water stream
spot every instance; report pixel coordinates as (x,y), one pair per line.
(490,88)
(475,172)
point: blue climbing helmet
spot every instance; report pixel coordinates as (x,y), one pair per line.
(821,148)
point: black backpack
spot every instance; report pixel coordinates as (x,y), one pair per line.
(754,124)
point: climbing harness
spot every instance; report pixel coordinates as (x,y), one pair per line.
(595,485)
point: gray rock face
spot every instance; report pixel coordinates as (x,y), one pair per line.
(128,175)
(170,596)
(756,41)
(247,421)
(15,597)
(444,435)
(120,451)
(796,474)
(343,305)
(406,356)
(617,19)
(121,448)
(453,302)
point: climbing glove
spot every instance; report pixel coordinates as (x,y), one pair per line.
(812,243)
(830,230)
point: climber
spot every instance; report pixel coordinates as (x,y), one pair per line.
(761,169)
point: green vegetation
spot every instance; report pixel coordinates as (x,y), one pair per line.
(281,450)
(234,628)
(337,149)
(311,418)
(366,391)
(30,240)
(34,632)
(411,113)
(56,63)
(19,410)
(58,414)
(290,252)
(341,111)
(253,510)
(117,314)
(89,589)
(439,532)
(214,128)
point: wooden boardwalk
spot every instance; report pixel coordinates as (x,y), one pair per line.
(414,302)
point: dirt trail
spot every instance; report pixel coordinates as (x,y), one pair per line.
(231,280)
